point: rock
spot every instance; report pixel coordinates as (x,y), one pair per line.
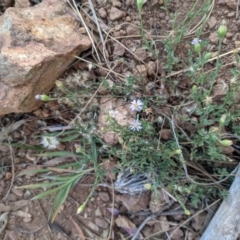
(116,3)
(176,233)
(102,12)
(141,70)
(119,50)
(104,196)
(220,90)
(132,30)
(102,223)
(212,22)
(27,219)
(22,3)
(98,212)
(115,108)
(134,203)
(129,3)
(231,3)
(237,44)
(227,150)
(93,226)
(37,45)
(115,14)
(140,54)
(151,68)
(213,38)
(165,134)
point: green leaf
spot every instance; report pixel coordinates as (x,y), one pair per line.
(44,194)
(69,138)
(39,185)
(58,154)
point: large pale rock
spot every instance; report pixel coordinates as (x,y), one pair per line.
(37,45)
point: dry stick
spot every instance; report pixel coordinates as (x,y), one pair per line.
(85,26)
(13,172)
(237,9)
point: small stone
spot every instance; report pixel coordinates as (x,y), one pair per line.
(128,19)
(27,219)
(93,226)
(140,54)
(212,22)
(220,90)
(8,175)
(166,134)
(237,44)
(105,233)
(115,14)
(129,2)
(231,3)
(18,192)
(231,14)
(102,12)
(102,223)
(98,212)
(176,233)
(104,196)
(119,50)
(229,35)
(141,70)
(116,3)
(151,68)
(213,38)
(132,30)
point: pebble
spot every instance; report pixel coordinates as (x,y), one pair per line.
(115,14)
(27,219)
(102,12)
(212,22)
(213,38)
(104,196)
(93,226)
(116,3)
(98,212)
(102,223)
(118,50)
(140,54)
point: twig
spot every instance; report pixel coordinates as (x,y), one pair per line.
(13,172)
(237,9)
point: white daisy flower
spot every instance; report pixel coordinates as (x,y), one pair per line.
(49,142)
(113,113)
(136,105)
(196,41)
(135,125)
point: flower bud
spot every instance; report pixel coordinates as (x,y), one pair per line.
(222,120)
(222,30)
(194,88)
(187,212)
(147,186)
(44,98)
(208,55)
(139,5)
(81,208)
(59,84)
(178,151)
(196,45)
(226,142)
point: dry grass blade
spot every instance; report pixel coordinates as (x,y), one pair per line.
(75,8)
(78,229)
